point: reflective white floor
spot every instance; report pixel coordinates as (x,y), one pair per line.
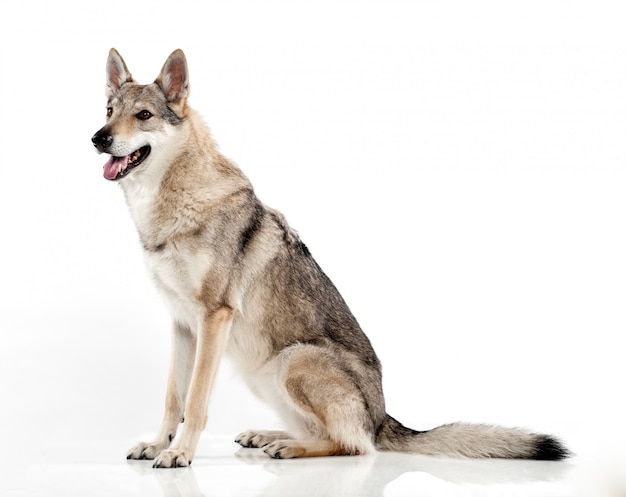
(222,469)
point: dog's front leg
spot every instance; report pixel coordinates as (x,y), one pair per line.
(183,353)
(211,338)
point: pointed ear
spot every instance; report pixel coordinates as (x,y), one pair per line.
(174,78)
(117,73)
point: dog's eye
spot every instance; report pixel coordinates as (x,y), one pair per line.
(109,111)
(144,115)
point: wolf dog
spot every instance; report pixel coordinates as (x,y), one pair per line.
(239,282)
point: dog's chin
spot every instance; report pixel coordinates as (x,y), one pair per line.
(118,167)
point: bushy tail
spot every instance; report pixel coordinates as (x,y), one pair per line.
(468,440)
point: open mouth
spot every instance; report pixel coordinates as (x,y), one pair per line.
(118,167)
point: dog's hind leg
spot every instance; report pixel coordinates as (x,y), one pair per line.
(332,413)
(289,449)
(183,352)
(256,439)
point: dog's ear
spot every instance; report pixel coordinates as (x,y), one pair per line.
(117,73)
(174,79)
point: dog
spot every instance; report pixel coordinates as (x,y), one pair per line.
(239,282)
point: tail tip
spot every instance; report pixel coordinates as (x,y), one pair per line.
(549,448)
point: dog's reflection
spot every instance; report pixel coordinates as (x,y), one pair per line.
(370,475)
(178,482)
(348,476)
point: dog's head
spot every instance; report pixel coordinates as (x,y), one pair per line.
(138,116)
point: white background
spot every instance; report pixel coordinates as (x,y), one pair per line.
(457,168)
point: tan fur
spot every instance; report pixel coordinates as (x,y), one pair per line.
(238,280)
(289,449)
(211,340)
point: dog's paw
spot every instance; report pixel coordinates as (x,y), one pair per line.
(257,439)
(250,439)
(284,449)
(145,451)
(172,458)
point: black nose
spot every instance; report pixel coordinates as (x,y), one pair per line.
(102,140)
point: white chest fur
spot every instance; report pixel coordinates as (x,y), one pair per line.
(179,273)
(177,268)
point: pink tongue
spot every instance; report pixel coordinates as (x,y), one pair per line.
(112,167)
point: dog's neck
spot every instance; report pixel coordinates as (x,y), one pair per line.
(169,185)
